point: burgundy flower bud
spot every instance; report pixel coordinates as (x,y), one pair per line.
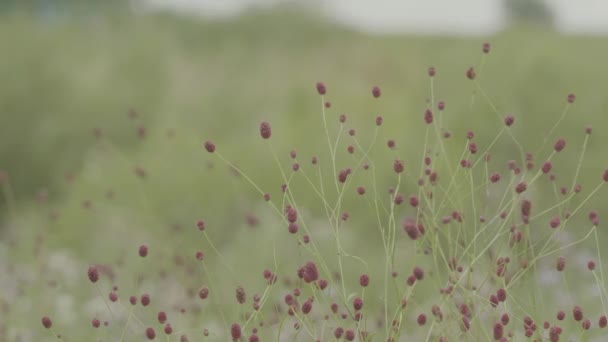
(559,145)
(421,319)
(398,166)
(560,263)
(441,105)
(498,331)
(209,146)
(577,313)
(486,48)
(265,130)
(428,116)
(471,73)
(46,322)
(376,92)
(145,299)
(235,331)
(93,274)
(521,187)
(432,71)
(357,304)
(143,251)
(150,333)
(321,89)
(310,272)
(571,98)
(509,120)
(364,280)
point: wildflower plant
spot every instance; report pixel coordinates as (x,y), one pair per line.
(465,239)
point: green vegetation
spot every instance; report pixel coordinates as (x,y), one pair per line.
(192,80)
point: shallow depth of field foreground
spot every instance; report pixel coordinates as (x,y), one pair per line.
(275,177)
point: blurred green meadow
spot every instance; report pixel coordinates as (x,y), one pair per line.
(72,199)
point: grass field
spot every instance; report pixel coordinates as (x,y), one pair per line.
(73,199)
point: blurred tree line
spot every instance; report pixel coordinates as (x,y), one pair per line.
(534,12)
(50,8)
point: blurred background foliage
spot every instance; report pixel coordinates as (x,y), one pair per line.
(191,79)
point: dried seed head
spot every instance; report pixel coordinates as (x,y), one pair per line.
(376,92)
(265,130)
(495,177)
(521,187)
(209,146)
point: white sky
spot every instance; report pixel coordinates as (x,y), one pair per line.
(422,16)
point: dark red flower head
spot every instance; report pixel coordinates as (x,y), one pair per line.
(321,88)
(265,130)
